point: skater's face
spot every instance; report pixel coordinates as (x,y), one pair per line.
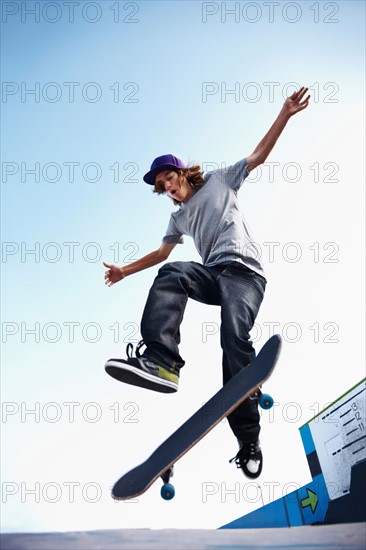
(175,187)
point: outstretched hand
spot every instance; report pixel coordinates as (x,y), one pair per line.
(113,275)
(293,104)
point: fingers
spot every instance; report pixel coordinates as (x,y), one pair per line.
(300,93)
(108,281)
(301,106)
(107,275)
(305,103)
(296,94)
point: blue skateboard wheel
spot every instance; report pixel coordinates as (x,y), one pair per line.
(266,401)
(167,491)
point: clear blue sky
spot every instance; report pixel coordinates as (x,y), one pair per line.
(116,84)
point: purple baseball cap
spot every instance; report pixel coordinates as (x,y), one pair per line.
(160,164)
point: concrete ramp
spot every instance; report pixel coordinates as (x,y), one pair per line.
(322,537)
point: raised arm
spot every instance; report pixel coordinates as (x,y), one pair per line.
(115,273)
(292,105)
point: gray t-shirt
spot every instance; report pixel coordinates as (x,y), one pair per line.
(212,217)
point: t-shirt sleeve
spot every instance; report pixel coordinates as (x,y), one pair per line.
(172,234)
(233,176)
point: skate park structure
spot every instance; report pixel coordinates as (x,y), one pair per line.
(335,445)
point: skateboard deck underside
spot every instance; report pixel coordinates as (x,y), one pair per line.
(233,393)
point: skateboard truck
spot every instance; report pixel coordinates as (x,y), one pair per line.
(264,399)
(167,491)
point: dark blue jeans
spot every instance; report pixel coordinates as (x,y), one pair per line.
(238,290)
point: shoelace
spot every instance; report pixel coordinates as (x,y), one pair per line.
(245,454)
(129,349)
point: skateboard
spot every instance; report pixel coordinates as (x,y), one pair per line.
(246,384)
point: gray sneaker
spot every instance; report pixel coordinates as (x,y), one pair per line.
(143,372)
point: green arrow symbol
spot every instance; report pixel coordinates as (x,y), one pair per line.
(311,500)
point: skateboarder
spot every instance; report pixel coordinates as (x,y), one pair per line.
(230,276)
